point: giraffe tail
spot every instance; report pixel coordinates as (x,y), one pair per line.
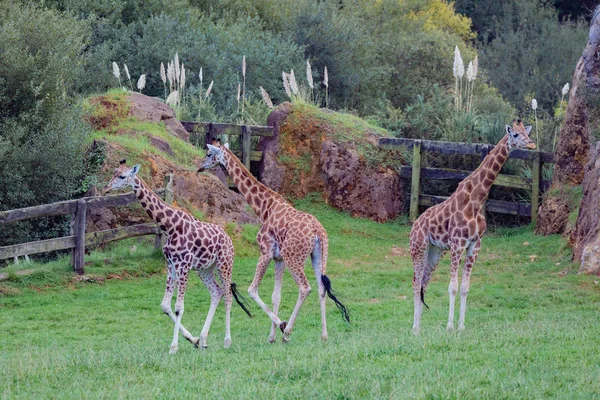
(423,298)
(340,306)
(240,299)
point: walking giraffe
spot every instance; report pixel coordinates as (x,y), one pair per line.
(457,225)
(287,236)
(191,244)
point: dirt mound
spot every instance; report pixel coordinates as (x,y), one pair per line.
(316,150)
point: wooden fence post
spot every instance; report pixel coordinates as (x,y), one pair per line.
(535,186)
(210,135)
(246,145)
(415,184)
(79,230)
(160,238)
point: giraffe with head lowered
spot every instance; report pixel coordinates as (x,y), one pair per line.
(457,224)
(190,244)
(287,236)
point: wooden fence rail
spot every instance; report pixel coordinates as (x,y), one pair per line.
(78,240)
(214,130)
(417,172)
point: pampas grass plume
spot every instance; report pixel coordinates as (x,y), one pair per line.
(293,84)
(116,70)
(565,89)
(209,89)
(266,97)
(141,84)
(163,74)
(309,76)
(173,98)
(286,84)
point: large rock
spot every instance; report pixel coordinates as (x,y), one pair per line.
(151,109)
(307,154)
(206,193)
(349,186)
(585,237)
(572,150)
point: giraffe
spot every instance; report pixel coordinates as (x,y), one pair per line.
(287,236)
(457,225)
(190,244)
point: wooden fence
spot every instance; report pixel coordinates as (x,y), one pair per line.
(212,131)
(418,171)
(78,240)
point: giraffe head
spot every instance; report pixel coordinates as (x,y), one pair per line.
(518,135)
(214,156)
(123,177)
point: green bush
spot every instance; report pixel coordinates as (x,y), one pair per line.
(42,135)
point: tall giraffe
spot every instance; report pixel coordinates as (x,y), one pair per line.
(287,236)
(191,244)
(457,225)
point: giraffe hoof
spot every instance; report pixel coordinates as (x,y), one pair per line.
(450,328)
(197,343)
(461,328)
(285,338)
(416,331)
(173,350)
(324,338)
(282,326)
(272,339)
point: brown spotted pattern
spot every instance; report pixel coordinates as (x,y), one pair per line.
(190,245)
(457,225)
(288,237)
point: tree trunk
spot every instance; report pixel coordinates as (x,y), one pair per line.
(573,148)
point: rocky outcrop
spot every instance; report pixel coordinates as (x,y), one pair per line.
(206,195)
(573,147)
(586,235)
(151,109)
(314,150)
(365,192)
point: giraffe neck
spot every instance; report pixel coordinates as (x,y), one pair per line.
(153,204)
(260,198)
(484,176)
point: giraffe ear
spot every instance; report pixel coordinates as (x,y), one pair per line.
(528,129)
(508,129)
(133,171)
(212,148)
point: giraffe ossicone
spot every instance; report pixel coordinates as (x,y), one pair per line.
(457,224)
(287,236)
(190,244)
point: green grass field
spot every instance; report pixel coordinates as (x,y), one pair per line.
(532,327)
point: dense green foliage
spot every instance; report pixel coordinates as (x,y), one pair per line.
(531,327)
(42,136)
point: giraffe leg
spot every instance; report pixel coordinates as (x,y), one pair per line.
(456,254)
(225,277)
(419,256)
(261,268)
(276,297)
(296,267)
(182,279)
(472,252)
(166,305)
(317,264)
(216,293)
